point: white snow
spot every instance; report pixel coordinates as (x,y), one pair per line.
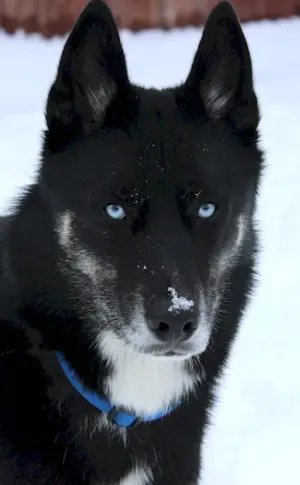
(179,303)
(255,437)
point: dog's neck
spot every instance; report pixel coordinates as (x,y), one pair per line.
(144,383)
(114,414)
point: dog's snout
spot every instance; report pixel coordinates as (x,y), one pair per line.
(173,327)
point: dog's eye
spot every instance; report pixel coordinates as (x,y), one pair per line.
(115,211)
(206,210)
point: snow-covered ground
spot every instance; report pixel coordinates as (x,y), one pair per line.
(254,439)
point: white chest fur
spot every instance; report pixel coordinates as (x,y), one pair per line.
(143,383)
(138,476)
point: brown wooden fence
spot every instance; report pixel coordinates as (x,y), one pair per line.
(56,17)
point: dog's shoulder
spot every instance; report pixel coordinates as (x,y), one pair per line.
(4,223)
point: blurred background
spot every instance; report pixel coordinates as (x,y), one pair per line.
(254,437)
(52,17)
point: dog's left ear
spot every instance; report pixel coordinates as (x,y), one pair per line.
(222,73)
(91,71)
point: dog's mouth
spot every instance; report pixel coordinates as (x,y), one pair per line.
(175,348)
(175,352)
(172,354)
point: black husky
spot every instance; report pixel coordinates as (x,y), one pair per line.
(126,267)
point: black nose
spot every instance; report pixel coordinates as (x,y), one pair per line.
(173,327)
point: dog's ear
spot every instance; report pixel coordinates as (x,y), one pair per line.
(222,73)
(92,69)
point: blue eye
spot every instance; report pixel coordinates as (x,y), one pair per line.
(206,210)
(115,212)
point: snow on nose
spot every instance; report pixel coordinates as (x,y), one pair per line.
(179,303)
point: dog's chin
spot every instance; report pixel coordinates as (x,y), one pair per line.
(168,356)
(168,353)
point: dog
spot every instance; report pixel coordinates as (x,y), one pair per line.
(127,265)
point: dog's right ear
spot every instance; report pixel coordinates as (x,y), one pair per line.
(92,69)
(221,73)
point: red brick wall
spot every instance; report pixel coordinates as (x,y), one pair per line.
(51,17)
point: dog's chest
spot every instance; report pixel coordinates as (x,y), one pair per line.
(137,476)
(147,385)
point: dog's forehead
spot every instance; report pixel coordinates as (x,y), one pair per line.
(160,165)
(161,150)
(150,164)
(156,146)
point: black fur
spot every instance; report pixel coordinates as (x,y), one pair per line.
(123,142)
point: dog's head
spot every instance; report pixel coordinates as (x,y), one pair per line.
(153,191)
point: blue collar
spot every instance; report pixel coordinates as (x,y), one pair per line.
(102,404)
